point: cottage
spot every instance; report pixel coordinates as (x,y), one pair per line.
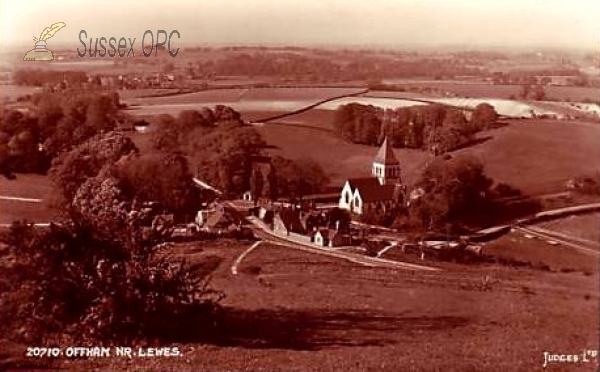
(321,237)
(380,191)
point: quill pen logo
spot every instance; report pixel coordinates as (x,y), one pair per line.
(41,53)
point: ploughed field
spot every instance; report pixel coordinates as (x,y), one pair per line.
(289,310)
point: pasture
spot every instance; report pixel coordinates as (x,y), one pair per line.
(539,253)
(340,159)
(536,156)
(486,90)
(584,226)
(539,156)
(291,310)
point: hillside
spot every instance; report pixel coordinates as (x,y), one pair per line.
(537,156)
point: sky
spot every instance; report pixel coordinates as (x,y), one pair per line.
(394,23)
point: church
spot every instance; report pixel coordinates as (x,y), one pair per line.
(378,192)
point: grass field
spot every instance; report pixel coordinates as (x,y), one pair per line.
(537,156)
(538,253)
(477,89)
(339,158)
(293,311)
(209,96)
(584,226)
(250,102)
(25,186)
(18,210)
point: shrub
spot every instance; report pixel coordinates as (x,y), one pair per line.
(84,284)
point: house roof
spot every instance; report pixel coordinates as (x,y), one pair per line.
(218,219)
(385,154)
(371,190)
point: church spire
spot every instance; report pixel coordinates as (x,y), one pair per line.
(386,167)
(385,155)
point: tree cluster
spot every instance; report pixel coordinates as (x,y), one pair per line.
(287,178)
(48,77)
(103,272)
(58,122)
(450,193)
(163,179)
(327,67)
(436,128)
(223,151)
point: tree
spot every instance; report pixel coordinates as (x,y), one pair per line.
(455,190)
(484,116)
(161,178)
(539,93)
(190,119)
(70,170)
(166,134)
(295,179)
(525,90)
(256,184)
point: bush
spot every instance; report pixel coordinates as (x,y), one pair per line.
(84,285)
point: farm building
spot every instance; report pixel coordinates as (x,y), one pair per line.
(382,190)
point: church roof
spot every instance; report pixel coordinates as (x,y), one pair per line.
(385,155)
(371,190)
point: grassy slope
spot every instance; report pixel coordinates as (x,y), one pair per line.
(584,226)
(538,253)
(307,313)
(339,158)
(537,156)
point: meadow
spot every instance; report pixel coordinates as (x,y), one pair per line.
(536,156)
(29,186)
(270,101)
(538,253)
(583,226)
(288,310)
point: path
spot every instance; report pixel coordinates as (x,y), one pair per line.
(264,232)
(16,198)
(236,263)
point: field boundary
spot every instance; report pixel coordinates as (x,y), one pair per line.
(309,107)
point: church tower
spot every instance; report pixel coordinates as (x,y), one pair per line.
(386,167)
